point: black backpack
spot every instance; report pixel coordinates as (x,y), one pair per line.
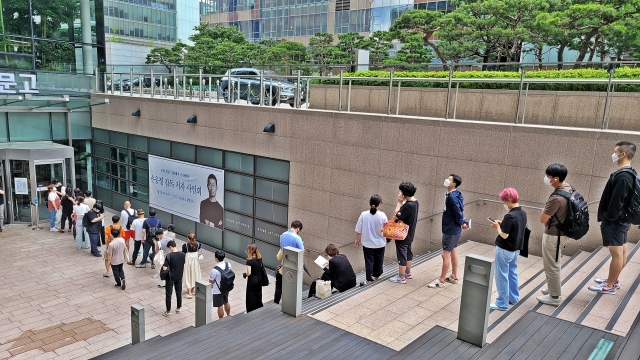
(130,219)
(576,225)
(632,211)
(151,234)
(85,221)
(227,276)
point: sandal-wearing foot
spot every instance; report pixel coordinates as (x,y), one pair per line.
(166,313)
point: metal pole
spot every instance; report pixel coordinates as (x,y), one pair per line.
(112,84)
(153,84)
(398,99)
(446,116)
(348,97)
(340,92)
(613,88)
(105,82)
(130,81)
(190,88)
(161,87)
(261,87)
(200,84)
(140,83)
(239,90)
(96,75)
(184,87)
(519,95)
(271,91)
(307,96)
(299,91)
(455,102)
(175,84)
(209,85)
(606,102)
(229,88)
(526,96)
(389,95)
(121,82)
(279,87)
(217,91)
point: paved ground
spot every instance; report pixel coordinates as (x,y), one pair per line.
(56,303)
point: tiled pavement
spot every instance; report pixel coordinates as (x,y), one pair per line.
(56,303)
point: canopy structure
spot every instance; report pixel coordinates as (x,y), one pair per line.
(50,103)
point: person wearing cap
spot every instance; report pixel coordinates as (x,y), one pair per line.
(148,238)
(95,228)
(136,226)
(115,251)
(161,250)
(174,261)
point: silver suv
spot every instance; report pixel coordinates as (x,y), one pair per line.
(249,79)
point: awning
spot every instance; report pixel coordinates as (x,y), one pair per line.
(36,103)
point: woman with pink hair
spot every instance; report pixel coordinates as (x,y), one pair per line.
(509,242)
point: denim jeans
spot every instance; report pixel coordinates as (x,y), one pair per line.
(52,218)
(95,243)
(81,234)
(506,276)
(148,245)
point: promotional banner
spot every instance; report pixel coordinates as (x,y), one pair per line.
(192,191)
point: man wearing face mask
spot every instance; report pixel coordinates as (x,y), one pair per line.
(452,225)
(554,213)
(611,214)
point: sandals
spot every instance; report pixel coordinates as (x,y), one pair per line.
(166,313)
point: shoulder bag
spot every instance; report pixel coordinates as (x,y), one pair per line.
(265,277)
(395,230)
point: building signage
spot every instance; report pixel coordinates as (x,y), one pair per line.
(22,187)
(8,84)
(192,191)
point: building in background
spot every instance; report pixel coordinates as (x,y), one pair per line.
(299,20)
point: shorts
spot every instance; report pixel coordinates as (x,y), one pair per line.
(220,299)
(105,252)
(450,241)
(403,252)
(614,234)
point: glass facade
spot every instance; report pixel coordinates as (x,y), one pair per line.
(256,189)
(141,19)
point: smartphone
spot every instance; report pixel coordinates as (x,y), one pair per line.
(490,219)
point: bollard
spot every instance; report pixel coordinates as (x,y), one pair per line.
(475,299)
(137,324)
(292,281)
(204,303)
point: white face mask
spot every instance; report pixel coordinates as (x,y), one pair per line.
(614,157)
(505,207)
(547,181)
(447,183)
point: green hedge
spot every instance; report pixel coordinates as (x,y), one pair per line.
(621,73)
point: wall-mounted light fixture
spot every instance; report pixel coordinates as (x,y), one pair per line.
(270,128)
(192,119)
(136,112)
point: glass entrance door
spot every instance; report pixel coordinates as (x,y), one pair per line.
(20,190)
(46,172)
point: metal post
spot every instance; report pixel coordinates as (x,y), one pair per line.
(446,116)
(229,88)
(455,102)
(175,84)
(261,87)
(348,97)
(217,90)
(105,82)
(112,80)
(613,89)
(279,88)
(204,303)
(96,76)
(130,81)
(137,324)
(121,82)
(340,92)
(389,95)
(184,86)
(239,90)
(164,89)
(271,91)
(190,88)
(153,84)
(526,96)
(292,281)
(519,95)
(307,94)
(475,299)
(249,92)
(200,84)
(606,101)
(298,91)
(209,86)
(140,83)
(398,99)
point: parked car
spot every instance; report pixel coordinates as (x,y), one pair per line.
(146,82)
(116,85)
(249,78)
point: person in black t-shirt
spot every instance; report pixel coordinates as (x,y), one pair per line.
(210,209)
(407,212)
(509,242)
(67,203)
(174,261)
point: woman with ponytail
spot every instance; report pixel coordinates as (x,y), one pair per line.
(368,233)
(192,271)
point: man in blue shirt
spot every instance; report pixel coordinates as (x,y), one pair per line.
(288,238)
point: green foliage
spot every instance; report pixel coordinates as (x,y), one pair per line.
(621,73)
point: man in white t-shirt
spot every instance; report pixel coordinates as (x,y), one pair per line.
(126,213)
(220,299)
(136,226)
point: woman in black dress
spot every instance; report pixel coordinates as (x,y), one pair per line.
(254,278)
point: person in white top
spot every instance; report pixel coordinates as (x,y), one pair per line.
(81,233)
(368,233)
(126,213)
(220,299)
(53,204)
(137,240)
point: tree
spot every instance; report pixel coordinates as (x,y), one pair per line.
(412,51)
(169,57)
(379,46)
(350,43)
(323,52)
(424,23)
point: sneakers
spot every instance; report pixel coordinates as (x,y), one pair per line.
(398,279)
(141,265)
(603,289)
(435,284)
(493,306)
(601,280)
(153,266)
(107,274)
(408,276)
(544,291)
(451,279)
(547,299)
(124,285)
(53,229)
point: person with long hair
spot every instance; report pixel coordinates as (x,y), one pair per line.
(192,271)
(368,233)
(254,278)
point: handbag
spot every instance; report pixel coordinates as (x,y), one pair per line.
(525,241)
(395,230)
(265,278)
(200,254)
(165,273)
(323,289)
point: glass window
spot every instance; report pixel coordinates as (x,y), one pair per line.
(209,157)
(118,138)
(240,203)
(118,202)
(101,150)
(29,126)
(235,243)
(160,147)
(59,126)
(272,191)
(209,235)
(102,165)
(238,162)
(4,136)
(269,232)
(100,135)
(103,194)
(103,181)
(271,212)
(140,176)
(183,151)
(81,126)
(183,226)
(240,223)
(138,143)
(137,204)
(139,159)
(124,173)
(268,253)
(139,191)
(239,183)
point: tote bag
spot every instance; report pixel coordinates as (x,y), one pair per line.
(395,230)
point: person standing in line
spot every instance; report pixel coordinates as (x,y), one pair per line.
(174,261)
(53,204)
(149,228)
(80,210)
(61,192)
(95,227)
(126,214)
(291,238)
(161,251)
(107,235)
(192,272)
(368,228)
(116,250)
(253,274)
(554,213)
(67,204)
(452,225)
(1,208)
(220,299)
(509,242)
(407,212)
(88,200)
(169,232)
(136,226)
(612,216)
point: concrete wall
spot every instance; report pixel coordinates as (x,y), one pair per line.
(559,108)
(339,160)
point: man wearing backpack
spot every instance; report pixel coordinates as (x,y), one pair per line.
(612,213)
(149,228)
(553,240)
(221,278)
(127,216)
